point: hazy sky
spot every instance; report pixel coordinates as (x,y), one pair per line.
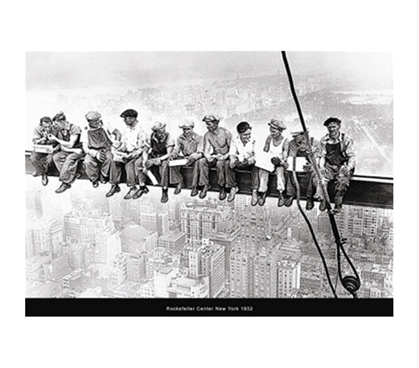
(81,69)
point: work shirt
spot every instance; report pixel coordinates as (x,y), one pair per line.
(275,151)
(240,150)
(188,145)
(346,149)
(219,141)
(158,147)
(97,138)
(70,130)
(133,138)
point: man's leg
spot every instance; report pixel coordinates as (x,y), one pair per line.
(59,159)
(106,166)
(38,161)
(131,178)
(164,182)
(115,177)
(68,166)
(221,179)
(91,167)
(263,186)
(139,167)
(342,184)
(204,167)
(280,184)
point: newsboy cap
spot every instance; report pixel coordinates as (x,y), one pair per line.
(59,116)
(129,112)
(46,119)
(93,115)
(277,124)
(157,126)
(332,120)
(211,117)
(187,123)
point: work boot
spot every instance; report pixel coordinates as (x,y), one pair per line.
(95,183)
(255,197)
(194,191)
(140,192)
(322,206)
(309,204)
(338,203)
(223,194)
(178,188)
(288,201)
(281,200)
(131,192)
(204,191)
(44,179)
(164,196)
(232,194)
(262,198)
(63,187)
(114,189)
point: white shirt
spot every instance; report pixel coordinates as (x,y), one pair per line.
(133,138)
(237,148)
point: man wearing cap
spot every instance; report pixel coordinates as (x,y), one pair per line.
(298,147)
(131,146)
(337,162)
(97,143)
(277,146)
(158,148)
(189,145)
(217,141)
(242,155)
(70,151)
(42,161)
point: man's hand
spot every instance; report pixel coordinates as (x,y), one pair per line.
(251,160)
(211,158)
(194,156)
(52,137)
(219,157)
(276,161)
(345,170)
(284,164)
(101,156)
(233,162)
(307,167)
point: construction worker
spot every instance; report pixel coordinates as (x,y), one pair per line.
(69,153)
(189,145)
(97,143)
(131,149)
(276,145)
(337,162)
(42,161)
(242,155)
(158,148)
(298,147)
(217,142)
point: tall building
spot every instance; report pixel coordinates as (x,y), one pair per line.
(264,284)
(202,220)
(162,281)
(173,241)
(73,283)
(108,245)
(289,274)
(56,269)
(39,236)
(136,239)
(241,274)
(155,221)
(135,266)
(35,266)
(186,287)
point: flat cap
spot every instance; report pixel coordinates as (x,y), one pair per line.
(277,124)
(46,119)
(187,123)
(129,112)
(211,117)
(332,120)
(93,115)
(157,126)
(59,116)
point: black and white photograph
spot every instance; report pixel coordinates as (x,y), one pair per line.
(187,176)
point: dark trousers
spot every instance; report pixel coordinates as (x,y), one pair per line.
(130,170)
(204,168)
(66,163)
(334,172)
(230,175)
(161,170)
(176,176)
(41,162)
(94,167)
(291,187)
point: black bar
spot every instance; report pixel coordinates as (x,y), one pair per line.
(103,307)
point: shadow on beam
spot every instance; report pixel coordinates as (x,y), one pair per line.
(364,190)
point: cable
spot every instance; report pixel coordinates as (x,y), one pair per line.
(313,235)
(350,283)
